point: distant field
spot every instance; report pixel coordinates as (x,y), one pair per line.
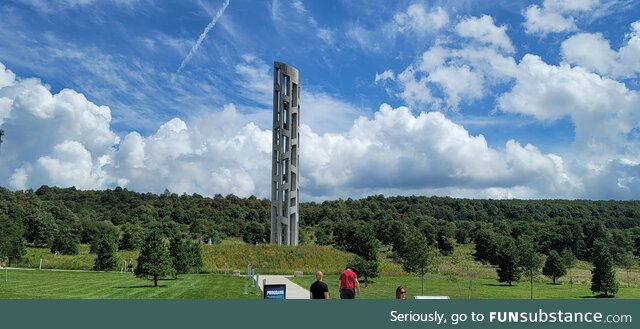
(34,284)
(438,285)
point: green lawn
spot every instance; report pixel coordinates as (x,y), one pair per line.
(438,285)
(27,284)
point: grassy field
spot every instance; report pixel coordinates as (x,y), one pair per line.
(450,276)
(45,284)
(438,285)
(267,259)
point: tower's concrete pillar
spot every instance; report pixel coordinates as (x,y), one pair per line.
(285,164)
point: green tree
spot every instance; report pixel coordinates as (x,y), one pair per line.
(569,260)
(11,241)
(485,242)
(529,260)
(132,237)
(418,256)
(445,244)
(627,261)
(507,260)
(554,267)
(365,268)
(154,261)
(185,255)
(365,244)
(65,242)
(603,275)
(106,256)
(40,227)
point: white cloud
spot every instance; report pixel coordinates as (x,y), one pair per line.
(398,150)
(418,20)
(484,30)
(446,76)
(255,81)
(49,7)
(70,165)
(368,40)
(603,110)
(395,151)
(6,76)
(218,153)
(593,51)
(414,24)
(556,16)
(326,35)
(302,22)
(52,138)
(386,75)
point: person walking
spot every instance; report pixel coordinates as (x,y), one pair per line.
(401,293)
(319,289)
(348,284)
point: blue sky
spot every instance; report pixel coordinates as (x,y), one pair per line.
(481,99)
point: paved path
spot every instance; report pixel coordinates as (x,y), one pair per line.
(294,291)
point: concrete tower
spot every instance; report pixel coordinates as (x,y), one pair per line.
(284,174)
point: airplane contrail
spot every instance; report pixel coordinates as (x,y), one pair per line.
(203,35)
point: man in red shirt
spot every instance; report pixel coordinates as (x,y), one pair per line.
(348,283)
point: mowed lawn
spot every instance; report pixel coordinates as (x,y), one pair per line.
(34,284)
(438,285)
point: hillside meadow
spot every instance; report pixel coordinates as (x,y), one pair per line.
(456,276)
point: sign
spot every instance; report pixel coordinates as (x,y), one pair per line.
(275,291)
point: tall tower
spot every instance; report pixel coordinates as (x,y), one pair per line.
(284,173)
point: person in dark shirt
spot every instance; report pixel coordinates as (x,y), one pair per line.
(319,289)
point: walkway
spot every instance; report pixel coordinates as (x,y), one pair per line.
(294,291)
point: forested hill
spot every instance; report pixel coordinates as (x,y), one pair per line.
(553,224)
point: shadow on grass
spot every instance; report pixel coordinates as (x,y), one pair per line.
(142,286)
(498,285)
(601,296)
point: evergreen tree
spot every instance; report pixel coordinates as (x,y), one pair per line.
(196,258)
(106,256)
(154,261)
(507,260)
(603,276)
(555,267)
(65,242)
(180,252)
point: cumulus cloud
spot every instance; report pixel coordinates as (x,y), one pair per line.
(219,153)
(52,138)
(417,19)
(393,151)
(555,16)
(593,51)
(398,150)
(484,30)
(446,76)
(604,110)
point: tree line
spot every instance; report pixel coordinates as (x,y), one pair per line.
(60,218)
